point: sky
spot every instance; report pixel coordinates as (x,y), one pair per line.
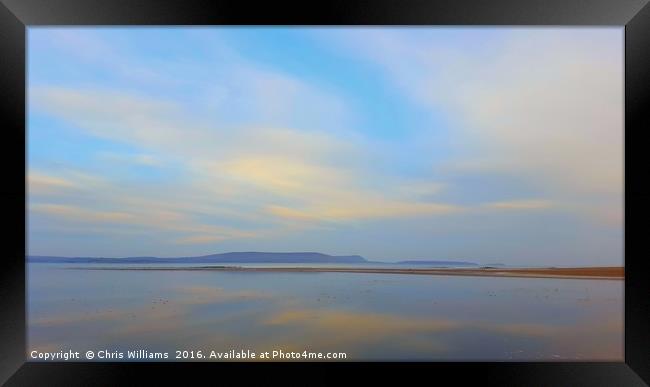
(492,145)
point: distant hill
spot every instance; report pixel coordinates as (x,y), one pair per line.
(237,257)
(439,263)
(248,257)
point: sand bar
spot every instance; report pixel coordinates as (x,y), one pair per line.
(610,273)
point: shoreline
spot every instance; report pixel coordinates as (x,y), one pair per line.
(593,273)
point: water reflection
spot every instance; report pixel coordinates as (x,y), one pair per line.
(370,317)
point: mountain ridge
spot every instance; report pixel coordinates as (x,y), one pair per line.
(243,257)
(230,257)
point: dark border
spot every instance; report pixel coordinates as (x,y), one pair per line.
(15,15)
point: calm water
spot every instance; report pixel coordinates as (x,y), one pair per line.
(368,316)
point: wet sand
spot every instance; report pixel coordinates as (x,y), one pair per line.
(612,273)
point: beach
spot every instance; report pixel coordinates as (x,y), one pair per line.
(610,273)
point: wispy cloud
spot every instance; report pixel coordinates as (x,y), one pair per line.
(307,167)
(201,239)
(544,104)
(137,159)
(220,147)
(520,204)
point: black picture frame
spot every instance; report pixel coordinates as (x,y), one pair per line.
(17,15)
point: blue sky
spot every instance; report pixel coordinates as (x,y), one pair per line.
(484,144)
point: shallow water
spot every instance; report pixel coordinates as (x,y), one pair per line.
(367,316)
